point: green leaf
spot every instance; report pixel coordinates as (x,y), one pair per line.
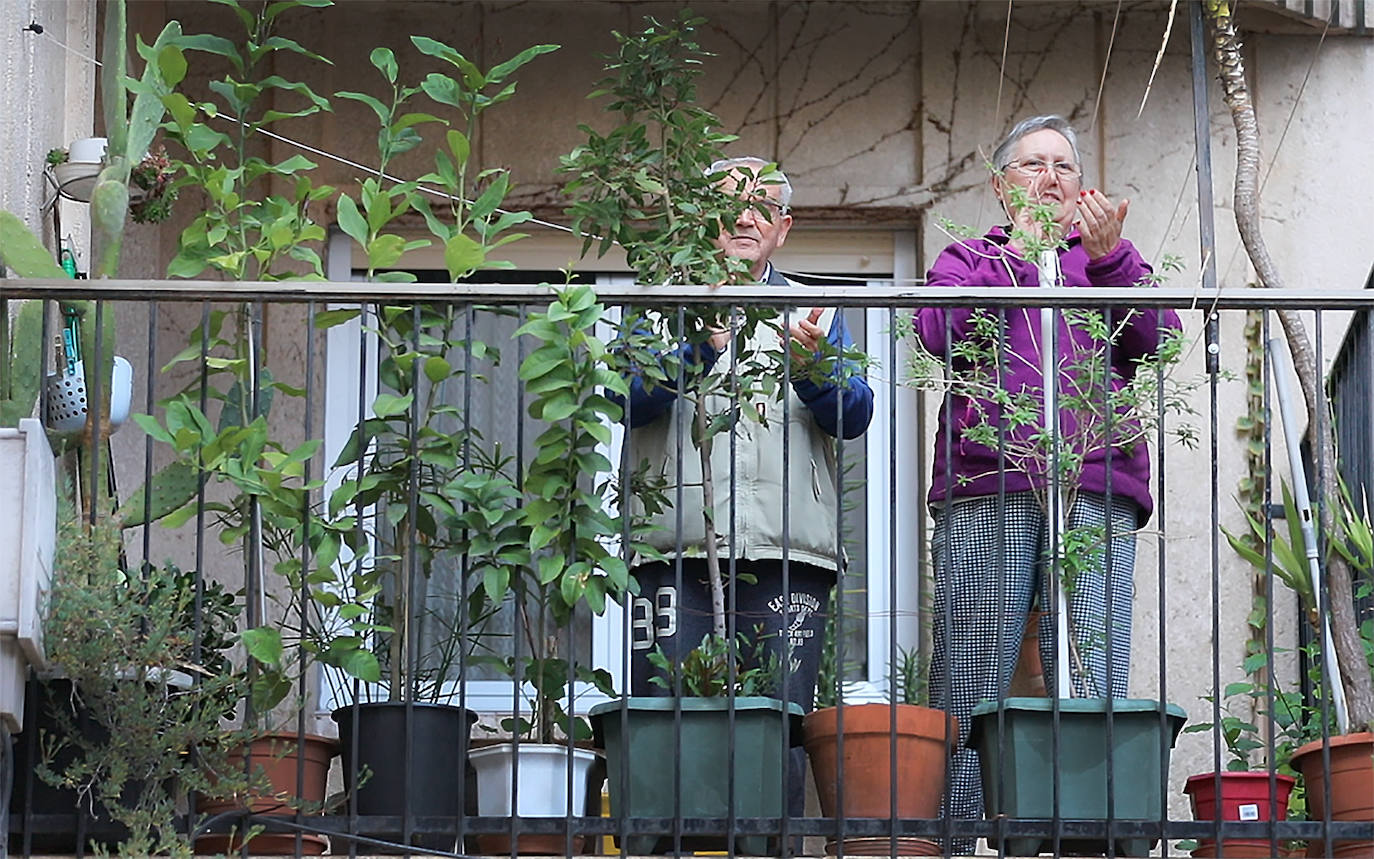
(385,251)
(361,664)
(385,62)
(264,644)
(22,252)
(351,220)
(462,256)
(390,405)
(458,144)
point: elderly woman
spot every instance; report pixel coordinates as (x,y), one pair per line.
(991,535)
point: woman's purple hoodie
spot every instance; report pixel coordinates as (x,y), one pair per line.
(979,262)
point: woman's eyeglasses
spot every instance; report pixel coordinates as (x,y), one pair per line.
(1037,167)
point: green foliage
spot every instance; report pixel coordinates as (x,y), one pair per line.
(242,231)
(123,637)
(646,185)
(706,670)
(415,440)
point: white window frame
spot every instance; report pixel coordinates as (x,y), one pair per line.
(608,631)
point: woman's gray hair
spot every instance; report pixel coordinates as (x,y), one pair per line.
(1001,156)
(755,164)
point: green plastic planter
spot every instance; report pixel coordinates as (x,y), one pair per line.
(1018,775)
(651,744)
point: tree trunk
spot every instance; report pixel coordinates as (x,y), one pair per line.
(1355,674)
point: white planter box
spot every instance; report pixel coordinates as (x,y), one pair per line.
(543,779)
(28,536)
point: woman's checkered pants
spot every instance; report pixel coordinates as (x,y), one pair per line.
(990,560)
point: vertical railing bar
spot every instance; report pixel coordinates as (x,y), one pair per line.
(679,431)
(1055,514)
(947,621)
(1000,550)
(1275,814)
(306,508)
(1214,548)
(1108,575)
(465,738)
(839,588)
(408,581)
(731,616)
(203,402)
(521,609)
(354,778)
(1202,143)
(1324,596)
(787,602)
(622,774)
(893,371)
(1160,576)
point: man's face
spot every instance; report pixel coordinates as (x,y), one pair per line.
(754,236)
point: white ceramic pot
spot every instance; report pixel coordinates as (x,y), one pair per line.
(86,150)
(28,536)
(67,397)
(543,773)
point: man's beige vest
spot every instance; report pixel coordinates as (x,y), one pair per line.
(756,484)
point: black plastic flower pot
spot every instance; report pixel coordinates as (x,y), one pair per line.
(427,781)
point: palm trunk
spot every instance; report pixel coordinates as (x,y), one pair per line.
(1355,674)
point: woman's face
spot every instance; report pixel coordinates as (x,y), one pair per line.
(1043,163)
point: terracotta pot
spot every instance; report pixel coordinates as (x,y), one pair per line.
(1028,680)
(869,782)
(1244,796)
(1352,787)
(273,757)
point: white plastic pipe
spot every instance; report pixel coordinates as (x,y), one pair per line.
(1283,369)
(1048,268)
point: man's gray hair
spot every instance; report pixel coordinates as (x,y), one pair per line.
(1001,156)
(755,164)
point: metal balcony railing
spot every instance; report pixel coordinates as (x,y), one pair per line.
(328,453)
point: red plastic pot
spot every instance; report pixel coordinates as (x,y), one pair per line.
(1245,796)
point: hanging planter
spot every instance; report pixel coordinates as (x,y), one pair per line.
(68,402)
(75,169)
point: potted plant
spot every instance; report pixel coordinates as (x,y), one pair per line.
(272,506)
(882,758)
(1094,409)
(117,716)
(415,444)
(1314,724)
(647,185)
(540,540)
(1240,792)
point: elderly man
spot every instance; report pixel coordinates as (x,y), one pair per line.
(799,453)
